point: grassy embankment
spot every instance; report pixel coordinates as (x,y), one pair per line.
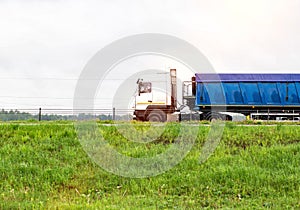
(44,166)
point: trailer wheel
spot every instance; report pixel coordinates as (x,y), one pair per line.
(211,116)
(157,115)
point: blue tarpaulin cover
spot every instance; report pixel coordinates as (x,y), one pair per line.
(248,89)
(247,77)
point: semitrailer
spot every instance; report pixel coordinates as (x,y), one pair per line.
(224,97)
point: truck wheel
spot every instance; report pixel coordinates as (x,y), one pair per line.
(157,115)
(210,116)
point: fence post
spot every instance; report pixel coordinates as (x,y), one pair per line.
(293,115)
(40,114)
(114,114)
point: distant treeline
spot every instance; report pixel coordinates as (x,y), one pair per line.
(18,115)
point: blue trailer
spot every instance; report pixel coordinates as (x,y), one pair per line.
(261,96)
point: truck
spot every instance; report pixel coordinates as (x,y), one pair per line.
(223,97)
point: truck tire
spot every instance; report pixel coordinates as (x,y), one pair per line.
(210,116)
(157,115)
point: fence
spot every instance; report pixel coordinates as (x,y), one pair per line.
(65,114)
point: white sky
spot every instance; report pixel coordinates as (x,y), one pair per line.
(44,45)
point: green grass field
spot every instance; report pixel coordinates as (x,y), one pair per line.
(43,166)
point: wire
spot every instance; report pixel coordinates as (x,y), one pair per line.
(51,78)
(44,97)
(71,79)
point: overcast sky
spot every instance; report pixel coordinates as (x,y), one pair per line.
(44,45)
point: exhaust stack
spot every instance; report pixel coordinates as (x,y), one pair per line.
(173,88)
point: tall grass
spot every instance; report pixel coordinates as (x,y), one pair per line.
(44,166)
